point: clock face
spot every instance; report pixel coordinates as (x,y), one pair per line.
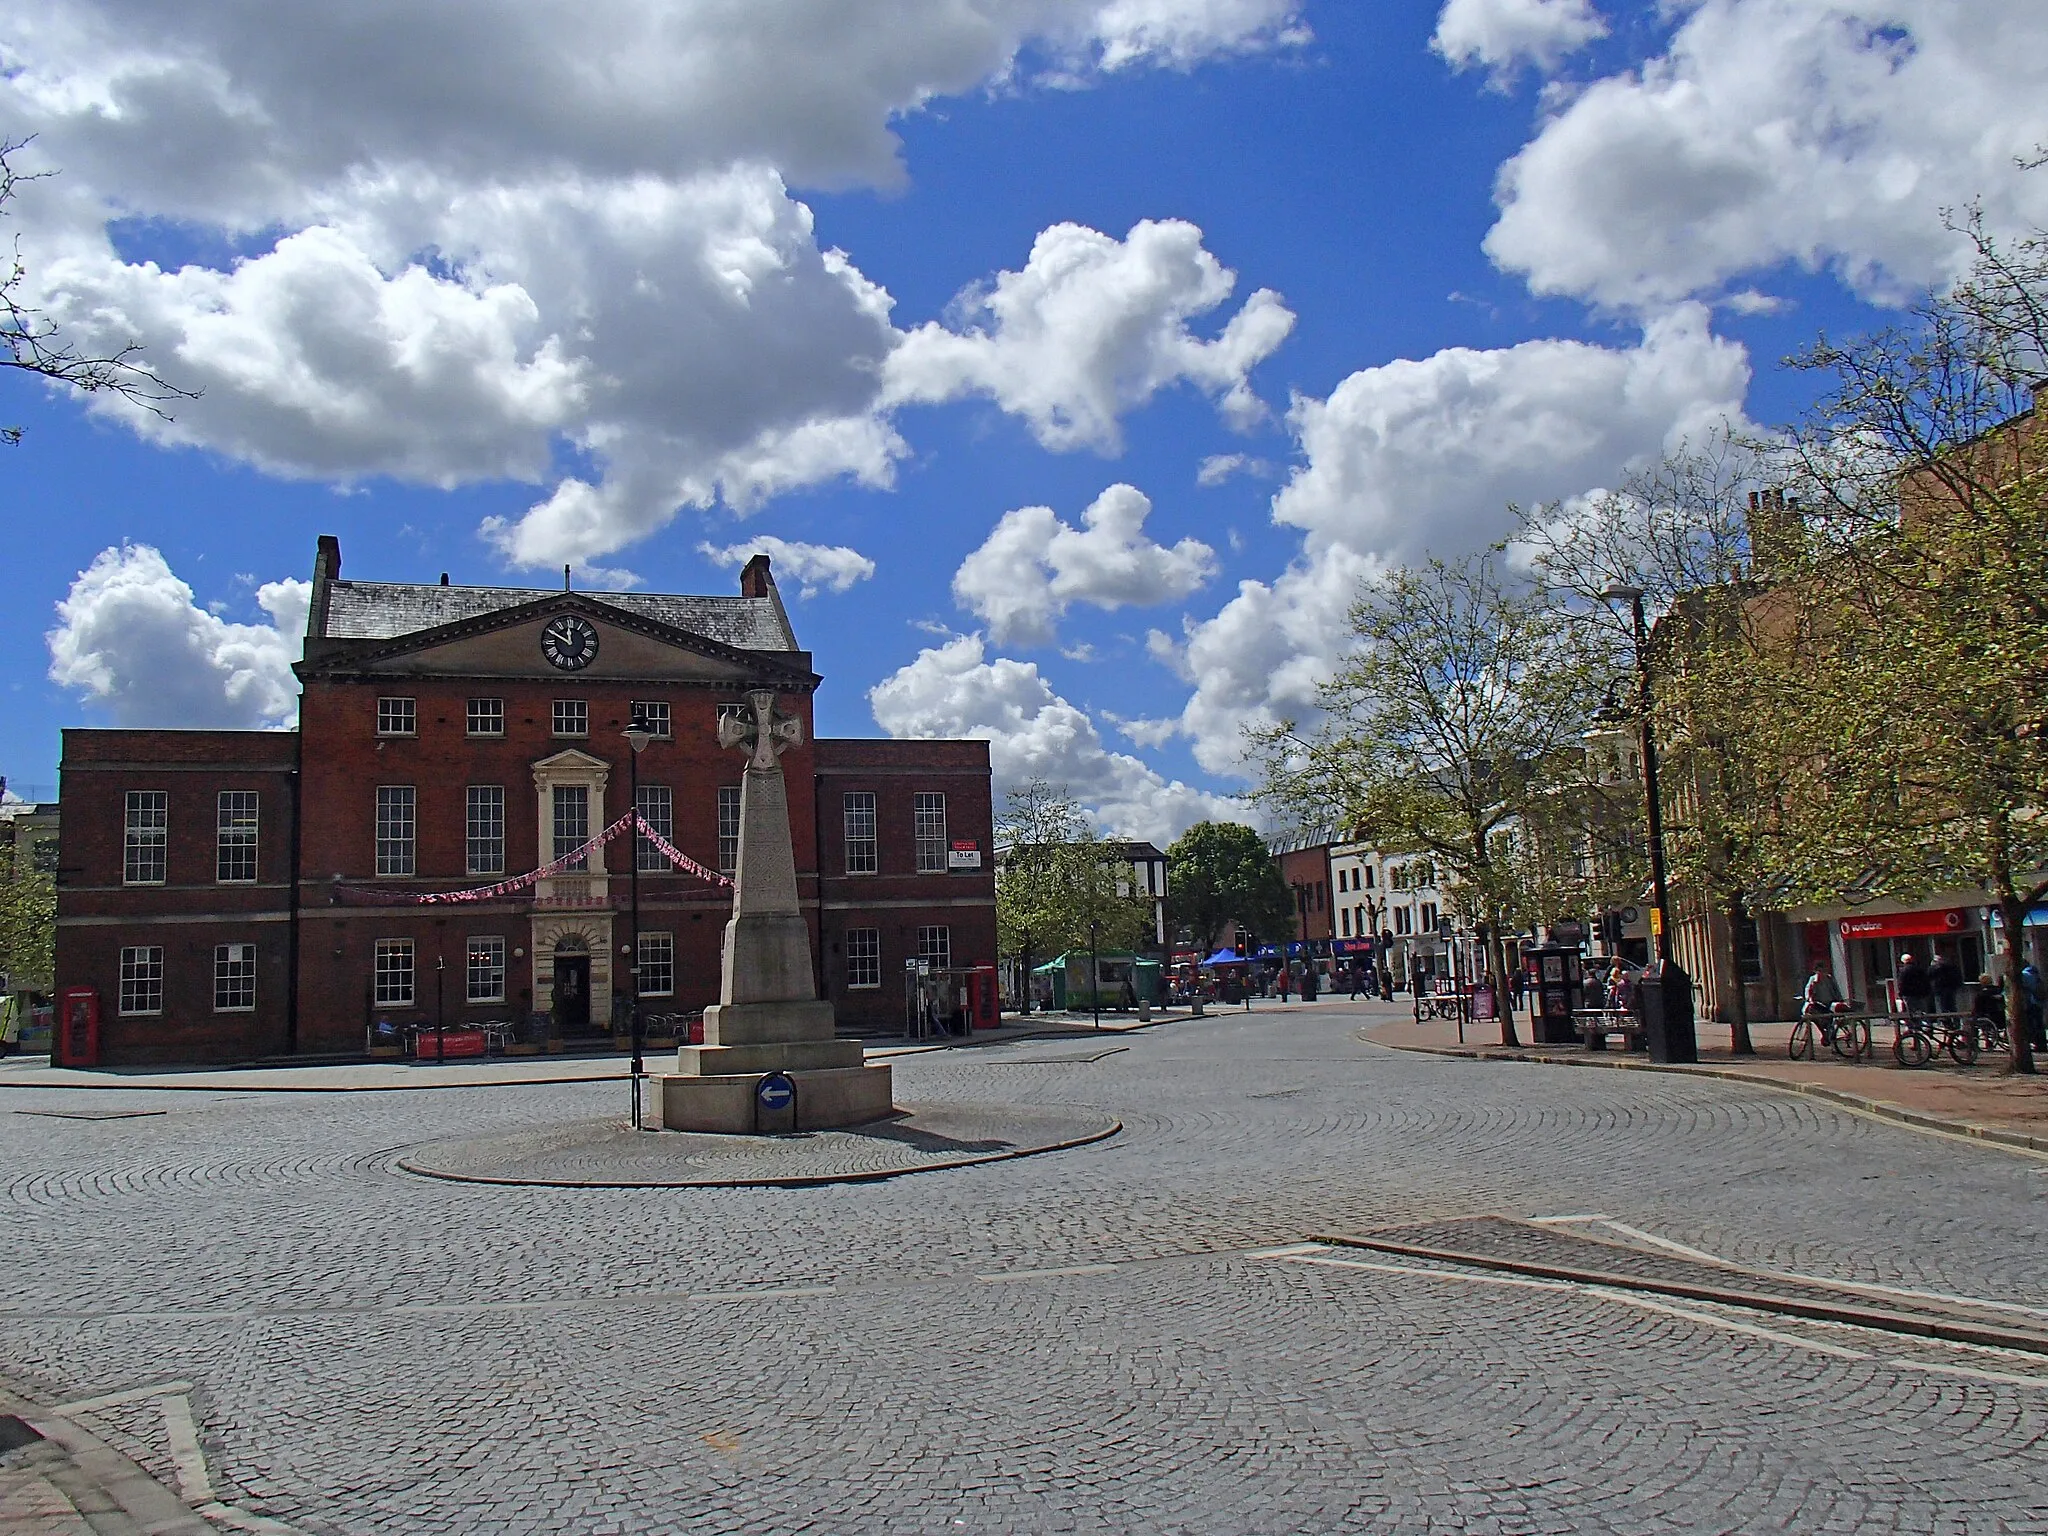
(569,642)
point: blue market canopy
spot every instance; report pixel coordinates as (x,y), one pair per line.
(1225,957)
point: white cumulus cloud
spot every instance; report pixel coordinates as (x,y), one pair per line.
(953,690)
(1416,456)
(1828,133)
(454,244)
(1500,34)
(1033,566)
(1093,327)
(816,567)
(131,639)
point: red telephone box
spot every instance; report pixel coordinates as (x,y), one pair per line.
(984,997)
(76,1042)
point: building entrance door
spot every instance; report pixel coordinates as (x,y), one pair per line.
(572,994)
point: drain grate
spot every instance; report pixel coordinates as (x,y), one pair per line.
(1549,1252)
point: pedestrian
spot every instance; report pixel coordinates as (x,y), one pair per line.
(1988,1007)
(1945,978)
(1621,991)
(2030,998)
(1595,990)
(1285,980)
(1915,989)
(11,1010)
(1821,992)
(1357,980)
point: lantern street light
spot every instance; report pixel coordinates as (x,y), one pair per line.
(638,733)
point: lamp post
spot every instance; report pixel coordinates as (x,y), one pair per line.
(440,1009)
(1667,1013)
(637,733)
(1094,972)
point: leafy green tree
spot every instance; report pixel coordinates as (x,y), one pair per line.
(28,924)
(1219,872)
(1918,616)
(1059,884)
(1456,730)
(1681,532)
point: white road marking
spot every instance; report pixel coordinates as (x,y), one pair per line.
(1728,1324)
(805,1290)
(1562,1221)
(1050,1274)
(195,1483)
(115,1399)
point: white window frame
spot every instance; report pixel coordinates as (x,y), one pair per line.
(485,717)
(236,837)
(571,719)
(863,959)
(863,848)
(397,851)
(935,943)
(388,974)
(728,817)
(928,810)
(234,978)
(561,796)
(657,954)
(142,981)
(146,837)
(485,969)
(480,802)
(656,715)
(398,716)
(657,808)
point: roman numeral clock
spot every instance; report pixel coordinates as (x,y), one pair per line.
(569,643)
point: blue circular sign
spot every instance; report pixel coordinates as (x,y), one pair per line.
(775,1091)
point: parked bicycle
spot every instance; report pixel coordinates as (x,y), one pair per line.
(1917,1041)
(1836,1030)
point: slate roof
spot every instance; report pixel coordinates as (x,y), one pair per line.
(385,610)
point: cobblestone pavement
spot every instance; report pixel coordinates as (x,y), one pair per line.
(1123,1337)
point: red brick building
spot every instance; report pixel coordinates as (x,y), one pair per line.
(241,894)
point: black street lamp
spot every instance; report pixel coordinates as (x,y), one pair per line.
(1667,1013)
(638,733)
(1094,972)
(440,1009)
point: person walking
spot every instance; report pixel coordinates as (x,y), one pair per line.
(11,1009)
(2030,997)
(1357,980)
(1915,988)
(1945,978)
(1285,980)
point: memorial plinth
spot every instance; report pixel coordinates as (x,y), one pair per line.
(768,1017)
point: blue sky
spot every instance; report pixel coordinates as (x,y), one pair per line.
(488,289)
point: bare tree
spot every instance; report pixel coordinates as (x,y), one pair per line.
(31,342)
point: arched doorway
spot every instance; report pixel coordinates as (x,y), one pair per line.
(572,985)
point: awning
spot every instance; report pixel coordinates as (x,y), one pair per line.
(1225,957)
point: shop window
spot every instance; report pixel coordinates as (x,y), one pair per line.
(657,964)
(145,837)
(486,717)
(234,858)
(234,978)
(486,969)
(863,957)
(398,717)
(393,979)
(397,822)
(929,827)
(863,854)
(142,979)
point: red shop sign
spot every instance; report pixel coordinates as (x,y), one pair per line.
(1903,925)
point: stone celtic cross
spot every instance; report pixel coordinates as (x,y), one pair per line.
(759,728)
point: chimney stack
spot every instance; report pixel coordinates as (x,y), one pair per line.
(755,580)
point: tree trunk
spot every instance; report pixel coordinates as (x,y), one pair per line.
(1496,961)
(1739,1043)
(2013,912)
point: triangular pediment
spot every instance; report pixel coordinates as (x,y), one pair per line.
(508,644)
(571,760)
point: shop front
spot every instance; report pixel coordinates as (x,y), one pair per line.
(1865,950)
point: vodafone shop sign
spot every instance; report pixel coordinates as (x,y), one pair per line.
(1905,925)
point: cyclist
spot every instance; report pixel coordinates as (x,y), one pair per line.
(1821,1001)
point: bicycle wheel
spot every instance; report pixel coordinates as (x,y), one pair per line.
(1962,1046)
(1800,1046)
(1852,1040)
(1910,1048)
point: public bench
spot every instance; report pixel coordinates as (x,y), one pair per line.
(1597,1025)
